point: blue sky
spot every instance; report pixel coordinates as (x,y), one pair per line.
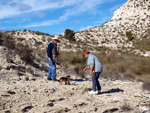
(54,16)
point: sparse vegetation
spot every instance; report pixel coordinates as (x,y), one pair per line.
(24,51)
(126,107)
(77,59)
(125,66)
(79,71)
(116,66)
(143,45)
(39,33)
(8,41)
(146,85)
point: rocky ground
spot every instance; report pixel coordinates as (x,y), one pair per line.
(30,94)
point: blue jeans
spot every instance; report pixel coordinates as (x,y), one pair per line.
(96,84)
(52,69)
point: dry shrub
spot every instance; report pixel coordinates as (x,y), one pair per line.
(146,85)
(41,53)
(128,66)
(25,53)
(77,59)
(126,107)
(128,76)
(110,72)
(122,67)
(9,42)
(65,67)
(29,70)
(71,58)
(73,61)
(113,54)
(111,75)
(139,66)
(142,44)
(79,71)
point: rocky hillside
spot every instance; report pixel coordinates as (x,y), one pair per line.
(39,41)
(130,23)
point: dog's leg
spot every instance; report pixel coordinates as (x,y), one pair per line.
(66,82)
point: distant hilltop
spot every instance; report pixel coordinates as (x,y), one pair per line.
(128,30)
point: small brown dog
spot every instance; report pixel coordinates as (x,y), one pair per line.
(65,79)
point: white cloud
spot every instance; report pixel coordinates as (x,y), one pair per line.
(80,7)
(103,20)
(77,21)
(115,7)
(17,7)
(84,28)
(72,7)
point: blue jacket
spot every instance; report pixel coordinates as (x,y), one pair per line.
(52,51)
(49,49)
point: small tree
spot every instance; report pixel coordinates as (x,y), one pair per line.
(1,35)
(129,35)
(24,30)
(69,34)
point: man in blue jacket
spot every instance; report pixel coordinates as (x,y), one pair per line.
(52,55)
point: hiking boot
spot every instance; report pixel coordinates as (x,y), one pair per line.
(92,92)
(49,79)
(98,91)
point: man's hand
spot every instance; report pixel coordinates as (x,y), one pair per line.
(49,59)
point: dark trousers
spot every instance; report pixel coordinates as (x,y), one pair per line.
(95,83)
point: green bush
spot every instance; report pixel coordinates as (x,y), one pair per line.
(77,59)
(69,34)
(129,35)
(24,30)
(39,33)
(1,35)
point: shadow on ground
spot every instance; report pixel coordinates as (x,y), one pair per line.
(78,80)
(112,91)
